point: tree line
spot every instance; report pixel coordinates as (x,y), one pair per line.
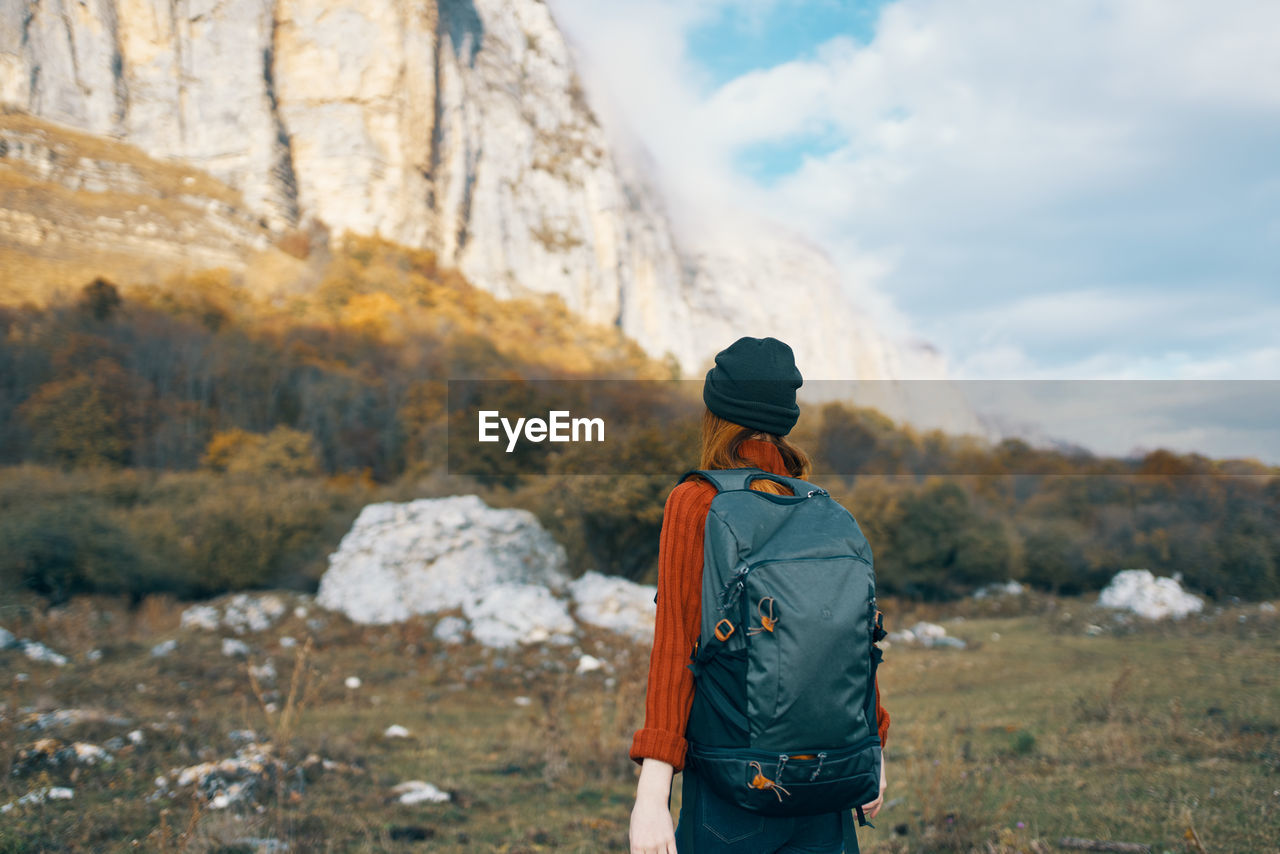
(194,438)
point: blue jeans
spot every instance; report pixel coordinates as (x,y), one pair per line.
(708,824)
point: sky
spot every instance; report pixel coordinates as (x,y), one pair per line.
(1058,190)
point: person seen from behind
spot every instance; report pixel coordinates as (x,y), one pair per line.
(750,397)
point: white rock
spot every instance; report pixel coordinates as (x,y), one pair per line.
(7,638)
(246,612)
(396,731)
(36,796)
(135,736)
(265,672)
(588,664)
(615,603)
(1008,588)
(523,701)
(240,612)
(234,793)
(927,635)
(89,754)
(164,648)
(451,630)
(1267,608)
(924,630)
(201,617)
(234,646)
(1139,591)
(37,651)
(287,642)
(435,554)
(352,682)
(417,791)
(230,780)
(511,614)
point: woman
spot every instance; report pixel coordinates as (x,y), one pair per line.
(751,406)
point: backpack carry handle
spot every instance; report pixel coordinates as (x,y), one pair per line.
(739,479)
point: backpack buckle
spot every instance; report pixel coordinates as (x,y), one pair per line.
(722,634)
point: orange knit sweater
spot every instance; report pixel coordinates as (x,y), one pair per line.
(670,691)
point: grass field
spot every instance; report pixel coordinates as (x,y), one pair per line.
(1042,729)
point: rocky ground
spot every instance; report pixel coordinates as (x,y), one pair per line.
(451,688)
(262,722)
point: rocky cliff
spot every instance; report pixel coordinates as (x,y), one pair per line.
(457,125)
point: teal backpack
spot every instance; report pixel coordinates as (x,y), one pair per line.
(784,712)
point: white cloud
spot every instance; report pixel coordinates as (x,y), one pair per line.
(1017,175)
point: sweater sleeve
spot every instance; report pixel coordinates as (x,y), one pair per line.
(669,695)
(882,717)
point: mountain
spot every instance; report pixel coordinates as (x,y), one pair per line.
(454,125)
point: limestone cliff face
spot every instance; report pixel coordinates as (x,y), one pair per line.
(455,125)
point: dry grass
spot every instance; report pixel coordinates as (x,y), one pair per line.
(168,177)
(1008,746)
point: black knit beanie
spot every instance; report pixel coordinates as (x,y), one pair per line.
(754,384)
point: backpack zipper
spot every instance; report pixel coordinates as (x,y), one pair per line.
(738,582)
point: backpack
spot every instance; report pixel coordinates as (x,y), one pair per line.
(783,719)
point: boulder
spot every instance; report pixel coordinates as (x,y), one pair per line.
(615,603)
(1139,591)
(511,614)
(435,554)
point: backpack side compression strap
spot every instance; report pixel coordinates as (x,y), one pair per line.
(849,832)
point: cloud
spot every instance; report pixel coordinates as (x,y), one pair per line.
(1043,188)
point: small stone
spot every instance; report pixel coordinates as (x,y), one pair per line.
(396,731)
(451,630)
(352,682)
(163,648)
(234,646)
(417,791)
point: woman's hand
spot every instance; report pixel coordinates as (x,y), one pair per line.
(874,807)
(651,828)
